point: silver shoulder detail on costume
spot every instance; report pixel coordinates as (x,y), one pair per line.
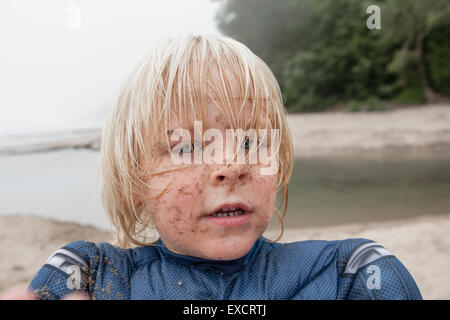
(64,259)
(363,255)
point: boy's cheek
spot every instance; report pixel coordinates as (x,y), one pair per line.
(269,181)
(173,175)
(185,188)
(266,186)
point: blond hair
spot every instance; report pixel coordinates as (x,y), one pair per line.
(178,70)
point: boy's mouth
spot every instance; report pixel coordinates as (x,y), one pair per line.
(230,214)
(230,210)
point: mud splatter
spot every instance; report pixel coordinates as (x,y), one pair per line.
(198,187)
(108,287)
(182,190)
(44,294)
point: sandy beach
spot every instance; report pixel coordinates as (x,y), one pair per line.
(422,244)
(415,129)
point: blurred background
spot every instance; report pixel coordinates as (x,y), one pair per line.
(367,90)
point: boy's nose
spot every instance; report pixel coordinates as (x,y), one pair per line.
(229,175)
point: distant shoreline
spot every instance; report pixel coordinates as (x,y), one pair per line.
(46,142)
(417,129)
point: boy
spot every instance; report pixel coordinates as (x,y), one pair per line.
(196,148)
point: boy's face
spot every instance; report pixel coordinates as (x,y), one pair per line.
(183,212)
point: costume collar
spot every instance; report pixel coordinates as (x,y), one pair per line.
(224,266)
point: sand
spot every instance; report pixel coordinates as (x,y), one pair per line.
(28,241)
(422,244)
(416,129)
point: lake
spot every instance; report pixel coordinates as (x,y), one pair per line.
(371,187)
(323,190)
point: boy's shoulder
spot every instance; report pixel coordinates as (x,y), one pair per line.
(92,267)
(324,249)
(348,255)
(363,268)
(113,253)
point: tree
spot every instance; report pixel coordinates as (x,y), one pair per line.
(322,52)
(412,21)
(273,29)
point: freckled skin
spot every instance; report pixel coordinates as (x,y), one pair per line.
(179,213)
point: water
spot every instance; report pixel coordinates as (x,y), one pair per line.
(323,191)
(374,187)
(61,185)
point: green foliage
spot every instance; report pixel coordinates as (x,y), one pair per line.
(273,29)
(411,94)
(322,52)
(415,60)
(437,56)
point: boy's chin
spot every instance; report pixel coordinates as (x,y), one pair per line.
(229,250)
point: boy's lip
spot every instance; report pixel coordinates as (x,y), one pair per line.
(231,221)
(231,205)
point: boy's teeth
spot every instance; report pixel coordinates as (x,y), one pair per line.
(230,212)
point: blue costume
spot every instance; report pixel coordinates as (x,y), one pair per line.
(342,269)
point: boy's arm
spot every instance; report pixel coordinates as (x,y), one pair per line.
(69,270)
(370,272)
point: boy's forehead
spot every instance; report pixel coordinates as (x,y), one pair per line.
(215,115)
(217,105)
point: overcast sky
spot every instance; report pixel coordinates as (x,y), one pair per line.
(62,61)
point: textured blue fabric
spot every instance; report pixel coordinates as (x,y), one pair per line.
(298,270)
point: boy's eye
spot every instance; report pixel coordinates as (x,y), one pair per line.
(186,148)
(248,142)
